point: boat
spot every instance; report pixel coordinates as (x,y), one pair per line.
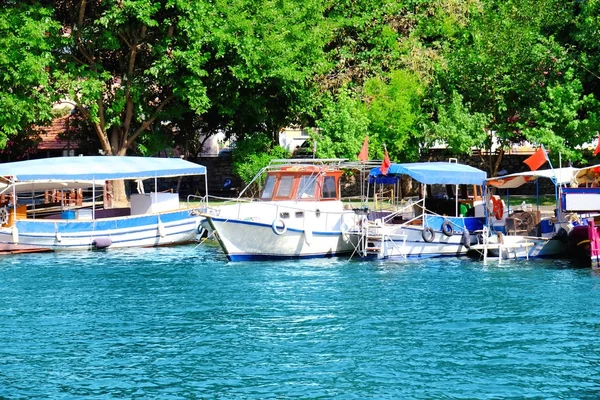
(44,206)
(430,224)
(526,231)
(298,214)
(582,202)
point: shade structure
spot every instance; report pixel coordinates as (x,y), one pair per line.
(97,168)
(560,176)
(432,173)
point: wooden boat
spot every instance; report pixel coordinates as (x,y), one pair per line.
(29,224)
(299,214)
(430,225)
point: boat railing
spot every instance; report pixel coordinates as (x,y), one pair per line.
(193,200)
(402,211)
(236,210)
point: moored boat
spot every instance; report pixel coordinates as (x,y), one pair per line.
(299,214)
(32,220)
(430,225)
(582,202)
(527,231)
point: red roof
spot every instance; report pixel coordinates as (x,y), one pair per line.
(49,135)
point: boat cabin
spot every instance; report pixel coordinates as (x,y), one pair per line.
(302,183)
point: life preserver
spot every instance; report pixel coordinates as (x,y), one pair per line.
(428,235)
(3,215)
(447,228)
(495,207)
(278,230)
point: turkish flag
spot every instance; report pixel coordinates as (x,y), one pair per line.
(364,152)
(537,159)
(385,165)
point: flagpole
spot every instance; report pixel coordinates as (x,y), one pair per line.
(551,167)
(555,181)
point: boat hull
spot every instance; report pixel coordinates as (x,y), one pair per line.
(169,228)
(409,242)
(247,240)
(526,247)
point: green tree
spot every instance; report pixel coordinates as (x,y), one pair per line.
(252,154)
(263,58)
(25,65)
(342,127)
(456,126)
(504,64)
(395,115)
(129,65)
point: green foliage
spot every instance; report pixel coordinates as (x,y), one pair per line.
(252,154)
(25,65)
(460,129)
(132,65)
(406,73)
(342,128)
(565,118)
(394,111)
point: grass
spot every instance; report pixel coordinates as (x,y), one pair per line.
(544,200)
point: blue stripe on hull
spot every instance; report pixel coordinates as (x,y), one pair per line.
(269,257)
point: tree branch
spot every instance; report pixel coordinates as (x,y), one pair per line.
(149,122)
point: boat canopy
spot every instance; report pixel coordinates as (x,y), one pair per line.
(97,168)
(432,173)
(560,176)
(588,174)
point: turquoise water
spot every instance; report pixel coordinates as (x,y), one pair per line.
(182,323)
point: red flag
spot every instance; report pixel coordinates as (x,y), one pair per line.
(385,165)
(364,152)
(537,159)
(597,147)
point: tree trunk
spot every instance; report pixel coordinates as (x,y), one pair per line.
(119,199)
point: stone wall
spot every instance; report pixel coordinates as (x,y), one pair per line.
(218,170)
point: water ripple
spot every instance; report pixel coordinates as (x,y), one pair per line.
(180,323)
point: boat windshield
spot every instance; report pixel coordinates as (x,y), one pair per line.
(300,184)
(329,188)
(307,186)
(286,184)
(269,186)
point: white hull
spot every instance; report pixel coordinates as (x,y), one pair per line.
(169,228)
(272,230)
(243,240)
(407,242)
(525,247)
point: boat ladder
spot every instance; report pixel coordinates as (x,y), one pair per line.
(374,241)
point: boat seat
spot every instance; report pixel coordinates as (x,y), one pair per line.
(523,223)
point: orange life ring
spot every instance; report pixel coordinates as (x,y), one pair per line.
(497,207)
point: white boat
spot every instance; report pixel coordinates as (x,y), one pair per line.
(430,225)
(299,214)
(526,231)
(29,224)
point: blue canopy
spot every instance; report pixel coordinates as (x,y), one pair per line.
(432,173)
(98,168)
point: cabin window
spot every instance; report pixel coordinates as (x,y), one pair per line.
(299,214)
(329,191)
(269,185)
(307,186)
(285,186)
